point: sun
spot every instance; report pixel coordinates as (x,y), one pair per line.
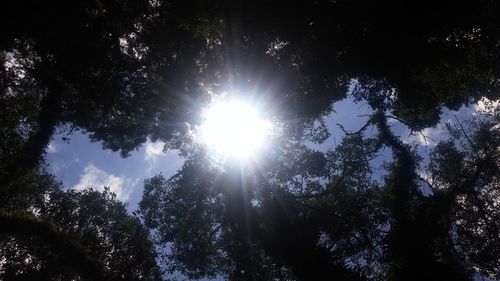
(234,129)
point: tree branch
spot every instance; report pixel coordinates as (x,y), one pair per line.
(368,122)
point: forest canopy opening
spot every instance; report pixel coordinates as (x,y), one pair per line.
(277,140)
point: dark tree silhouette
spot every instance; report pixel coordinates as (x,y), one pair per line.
(124,71)
(307,215)
(50,234)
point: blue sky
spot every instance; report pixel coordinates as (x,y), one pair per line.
(80,163)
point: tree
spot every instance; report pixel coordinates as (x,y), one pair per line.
(311,50)
(248,224)
(319,215)
(50,234)
(126,71)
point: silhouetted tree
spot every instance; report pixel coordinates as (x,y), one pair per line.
(50,234)
(125,71)
(255,222)
(128,70)
(325,216)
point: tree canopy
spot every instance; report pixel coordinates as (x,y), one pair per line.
(309,215)
(51,234)
(124,71)
(129,71)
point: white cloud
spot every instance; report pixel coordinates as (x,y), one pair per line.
(154,150)
(52,147)
(59,165)
(97,179)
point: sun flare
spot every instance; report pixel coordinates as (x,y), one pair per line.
(234,128)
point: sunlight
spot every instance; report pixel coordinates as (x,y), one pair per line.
(234,128)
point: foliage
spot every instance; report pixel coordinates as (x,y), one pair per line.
(51,234)
(336,219)
(126,71)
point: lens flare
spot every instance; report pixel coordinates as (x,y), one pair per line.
(234,128)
